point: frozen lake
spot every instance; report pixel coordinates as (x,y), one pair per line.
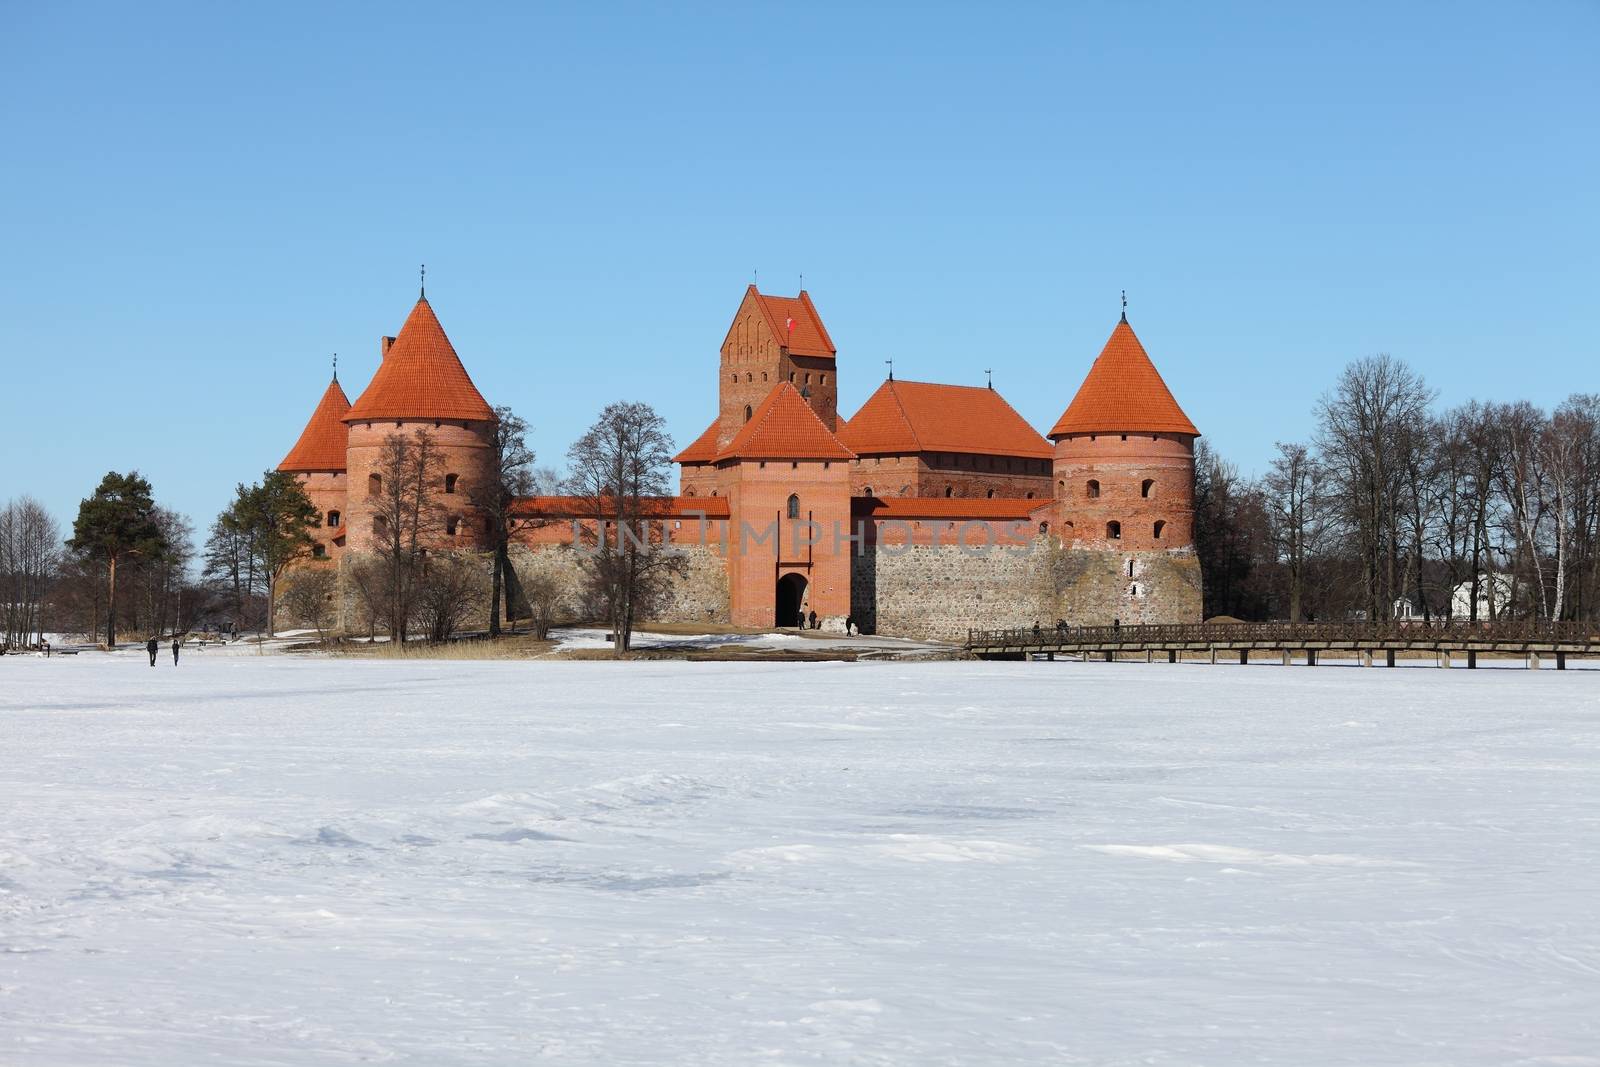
(305,861)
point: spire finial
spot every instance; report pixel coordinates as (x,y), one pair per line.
(891,368)
(988,373)
(336,366)
(755,278)
(802,281)
(1124,305)
(422,287)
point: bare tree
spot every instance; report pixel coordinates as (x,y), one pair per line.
(308,598)
(1366,421)
(1523,485)
(543,597)
(1565,448)
(449,591)
(1296,501)
(406,520)
(30,557)
(616,469)
(510,479)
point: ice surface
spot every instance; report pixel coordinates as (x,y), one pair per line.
(282,860)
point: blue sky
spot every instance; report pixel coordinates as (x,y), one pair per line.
(198,204)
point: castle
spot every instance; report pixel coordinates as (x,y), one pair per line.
(933,509)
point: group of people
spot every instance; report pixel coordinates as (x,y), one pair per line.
(153,646)
(808,621)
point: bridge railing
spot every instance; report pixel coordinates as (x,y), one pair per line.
(1291,635)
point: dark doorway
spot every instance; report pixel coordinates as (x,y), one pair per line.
(791,596)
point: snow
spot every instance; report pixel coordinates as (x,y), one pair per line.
(308,860)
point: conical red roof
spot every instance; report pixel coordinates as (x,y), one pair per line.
(421,378)
(784,427)
(322,443)
(1123,393)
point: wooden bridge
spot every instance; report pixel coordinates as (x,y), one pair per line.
(1533,641)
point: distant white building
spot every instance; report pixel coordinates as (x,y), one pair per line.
(1494,596)
(1403,609)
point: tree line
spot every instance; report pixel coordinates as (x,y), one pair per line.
(1476,512)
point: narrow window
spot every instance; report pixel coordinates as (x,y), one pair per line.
(949,490)
(794,506)
(318,550)
(450,483)
(763,375)
(1093,489)
(1044,527)
(689,491)
(1161,524)
(1130,568)
(989,495)
(749,377)
(1133,590)
(791,376)
(1029,496)
(374,484)
(747,413)
(808,377)
(333,519)
(822,379)
(867,491)
(1148,485)
(1114,530)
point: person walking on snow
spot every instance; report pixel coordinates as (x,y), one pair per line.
(152,646)
(175,643)
(813,620)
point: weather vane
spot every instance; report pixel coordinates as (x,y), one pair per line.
(336,366)
(1124,305)
(891,368)
(988,373)
(422,288)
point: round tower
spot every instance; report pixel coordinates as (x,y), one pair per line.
(421,386)
(1124,489)
(318,462)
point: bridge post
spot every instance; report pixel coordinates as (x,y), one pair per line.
(1311,657)
(1213,655)
(1049,657)
(1472,659)
(1111,655)
(1244,656)
(1444,657)
(1388,657)
(1365,657)
(1561,661)
(1172,655)
(1149,655)
(1288,657)
(1533,661)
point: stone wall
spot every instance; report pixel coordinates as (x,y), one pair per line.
(941,591)
(699,594)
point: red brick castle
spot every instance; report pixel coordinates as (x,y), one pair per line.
(933,508)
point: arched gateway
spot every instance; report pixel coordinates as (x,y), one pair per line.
(790,599)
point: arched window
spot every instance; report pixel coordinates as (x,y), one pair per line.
(749,377)
(451,525)
(794,506)
(1146,488)
(1092,490)
(866,491)
(989,495)
(747,413)
(1044,527)
(1029,496)
(791,376)
(822,379)
(949,490)
(333,519)
(450,482)
(1161,524)
(763,375)
(1114,530)
(689,491)
(374,484)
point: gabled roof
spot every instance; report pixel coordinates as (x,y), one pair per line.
(1123,393)
(904,417)
(421,377)
(809,337)
(784,427)
(323,442)
(703,449)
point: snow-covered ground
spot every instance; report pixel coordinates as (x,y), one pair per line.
(282,860)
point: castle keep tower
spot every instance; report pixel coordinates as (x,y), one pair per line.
(317,461)
(421,385)
(1124,485)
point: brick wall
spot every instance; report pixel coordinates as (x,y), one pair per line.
(929,474)
(463,450)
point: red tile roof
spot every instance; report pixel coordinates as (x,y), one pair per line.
(421,377)
(784,427)
(904,417)
(703,449)
(941,507)
(323,442)
(1123,393)
(578,507)
(809,337)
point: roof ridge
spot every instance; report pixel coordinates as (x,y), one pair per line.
(900,405)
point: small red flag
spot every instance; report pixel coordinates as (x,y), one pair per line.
(791,325)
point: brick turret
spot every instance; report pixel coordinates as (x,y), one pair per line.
(421,385)
(318,462)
